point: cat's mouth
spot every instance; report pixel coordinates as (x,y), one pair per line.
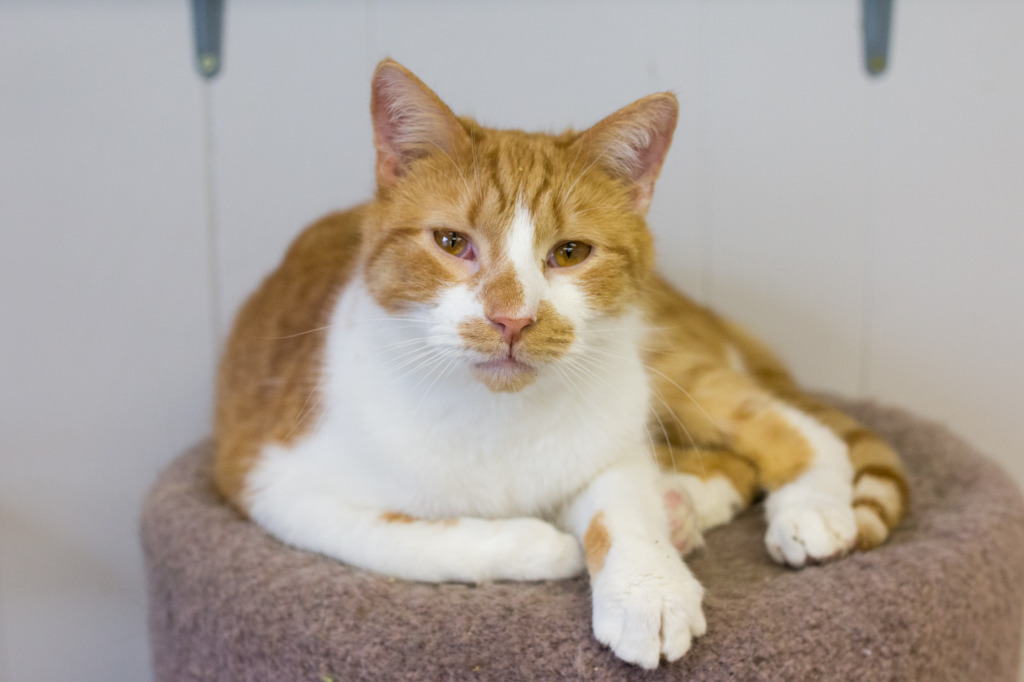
(506,364)
(505,375)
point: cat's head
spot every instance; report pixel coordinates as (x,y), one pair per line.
(510,249)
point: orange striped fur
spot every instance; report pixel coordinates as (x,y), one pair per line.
(710,418)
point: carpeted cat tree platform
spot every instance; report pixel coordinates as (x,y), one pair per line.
(941,601)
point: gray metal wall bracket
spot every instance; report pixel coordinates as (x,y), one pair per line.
(877,22)
(208,23)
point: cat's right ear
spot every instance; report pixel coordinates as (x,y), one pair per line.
(409,121)
(631,144)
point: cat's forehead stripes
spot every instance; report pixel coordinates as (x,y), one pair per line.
(512,169)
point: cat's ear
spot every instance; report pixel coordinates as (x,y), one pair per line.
(631,144)
(409,121)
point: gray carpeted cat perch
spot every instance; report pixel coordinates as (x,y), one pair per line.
(941,601)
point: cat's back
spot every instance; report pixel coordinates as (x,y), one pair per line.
(271,365)
(687,338)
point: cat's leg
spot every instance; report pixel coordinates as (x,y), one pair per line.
(809,507)
(717,481)
(880,494)
(684,526)
(306,507)
(802,463)
(646,603)
(461,549)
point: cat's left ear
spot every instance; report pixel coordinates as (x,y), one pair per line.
(632,143)
(409,121)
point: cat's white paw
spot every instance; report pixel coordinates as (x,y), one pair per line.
(647,604)
(714,499)
(683,523)
(531,549)
(810,533)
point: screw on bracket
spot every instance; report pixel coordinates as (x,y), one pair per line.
(208,22)
(877,22)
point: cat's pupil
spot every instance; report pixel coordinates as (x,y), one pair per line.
(569,253)
(451,242)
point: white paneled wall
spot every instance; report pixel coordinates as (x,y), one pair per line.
(105,339)
(947,232)
(785,166)
(291,130)
(872,230)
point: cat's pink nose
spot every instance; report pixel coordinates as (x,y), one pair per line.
(511,328)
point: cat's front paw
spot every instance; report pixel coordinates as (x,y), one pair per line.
(811,533)
(683,520)
(647,604)
(531,549)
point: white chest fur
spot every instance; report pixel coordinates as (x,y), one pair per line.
(404,425)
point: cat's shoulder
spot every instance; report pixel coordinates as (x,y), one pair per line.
(332,241)
(276,347)
(680,324)
(297,295)
(662,301)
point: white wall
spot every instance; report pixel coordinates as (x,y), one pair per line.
(873,230)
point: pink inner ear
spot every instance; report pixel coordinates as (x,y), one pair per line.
(651,157)
(634,142)
(389,167)
(399,100)
(409,120)
(650,161)
(387,118)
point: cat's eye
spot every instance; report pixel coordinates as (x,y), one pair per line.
(455,243)
(568,254)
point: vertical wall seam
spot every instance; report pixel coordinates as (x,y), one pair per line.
(870,198)
(212,223)
(705,212)
(372,39)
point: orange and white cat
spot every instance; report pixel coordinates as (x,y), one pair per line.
(477,376)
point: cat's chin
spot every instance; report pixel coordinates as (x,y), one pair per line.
(504,376)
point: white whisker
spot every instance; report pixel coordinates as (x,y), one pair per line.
(584,172)
(464,181)
(668,441)
(432,366)
(408,342)
(453,359)
(688,395)
(399,318)
(592,381)
(578,213)
(303,412)
(476,169)
(609,363)
(668,379)
(292,336)
(426,358)
(572,167)
(410,357)
(681,425)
